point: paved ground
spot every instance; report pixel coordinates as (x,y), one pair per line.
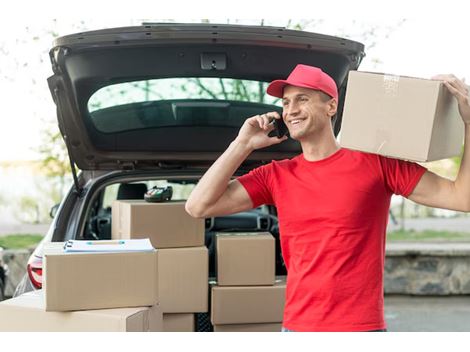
(412,313)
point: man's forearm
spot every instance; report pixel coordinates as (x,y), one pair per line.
(462,182)
(215,181)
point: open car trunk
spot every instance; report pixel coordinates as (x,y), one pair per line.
(105,128)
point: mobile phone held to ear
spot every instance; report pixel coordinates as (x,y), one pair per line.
(280,129)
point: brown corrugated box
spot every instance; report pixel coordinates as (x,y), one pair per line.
(268,327)
(244,259)
(79,281)
(168,225)
(178,322)
(182,279)
(26,313)
(247,304)
(402,117)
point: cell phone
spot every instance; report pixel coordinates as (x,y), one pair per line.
(280,129)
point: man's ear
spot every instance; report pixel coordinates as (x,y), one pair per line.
(332,107)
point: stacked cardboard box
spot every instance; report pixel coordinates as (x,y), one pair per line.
(402,117)
(246,295)
(27,313)
(89,292)
(183,262)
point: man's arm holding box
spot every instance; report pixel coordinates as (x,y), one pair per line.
(435,191)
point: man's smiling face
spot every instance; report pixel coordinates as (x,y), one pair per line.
(306,111)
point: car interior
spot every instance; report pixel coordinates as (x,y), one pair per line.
(261,219)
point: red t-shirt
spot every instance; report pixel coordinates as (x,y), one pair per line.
(333,217)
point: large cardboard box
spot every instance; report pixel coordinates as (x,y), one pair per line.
(168,225)
(244,259)
(78,281)
(26,313)
(182,280)
(247,304)
(402,117)
(268,327)
(179,322)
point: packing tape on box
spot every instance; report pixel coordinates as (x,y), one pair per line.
(391,85)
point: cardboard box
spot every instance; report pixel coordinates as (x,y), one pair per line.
(182,280)
(244,259)
(168,225)
(402,117)
(26,313)
(269,327)
(247,304)
(179,322)
(78,281)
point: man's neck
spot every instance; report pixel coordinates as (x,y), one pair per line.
(319,149)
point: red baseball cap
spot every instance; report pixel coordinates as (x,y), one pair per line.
(306,77)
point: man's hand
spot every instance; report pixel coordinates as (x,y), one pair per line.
(460,91)
(255,130)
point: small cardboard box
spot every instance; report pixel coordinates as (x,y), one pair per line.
(179,322)
(247,304)
(244,259)
(402,117)
(182,280)
(268,327)
(168,225)
(79,281)
(26,313)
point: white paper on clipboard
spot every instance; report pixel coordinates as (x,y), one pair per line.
(139,245)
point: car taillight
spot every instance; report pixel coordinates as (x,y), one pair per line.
(35,271)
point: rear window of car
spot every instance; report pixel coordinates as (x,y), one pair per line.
(178,102)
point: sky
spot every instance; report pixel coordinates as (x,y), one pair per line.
(412,46)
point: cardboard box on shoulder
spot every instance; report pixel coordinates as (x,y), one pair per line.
(79,281)
(268,327)
(244,259)
(179,322)
(401,117)
(27,313)
(167,224)
(182,279)
(247,304)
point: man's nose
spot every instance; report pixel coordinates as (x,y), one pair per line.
(291,110)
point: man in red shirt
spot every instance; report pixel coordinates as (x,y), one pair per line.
(332,203)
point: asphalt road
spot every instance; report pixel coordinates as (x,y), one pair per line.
(423,313)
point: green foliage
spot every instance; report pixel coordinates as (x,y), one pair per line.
(20,241)
(428,235)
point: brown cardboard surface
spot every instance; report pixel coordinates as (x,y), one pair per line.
(402,117)
(78,281)
(268,327)
(168,225)
(245,259)
(247,304)
(26,313)
(182,279)
(179,322)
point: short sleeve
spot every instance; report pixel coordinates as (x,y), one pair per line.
(400,176)
(258,185)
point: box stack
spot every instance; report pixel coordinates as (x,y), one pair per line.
(246,295)
(89,291)
(183,262)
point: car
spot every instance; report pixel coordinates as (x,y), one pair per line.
(155,105)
